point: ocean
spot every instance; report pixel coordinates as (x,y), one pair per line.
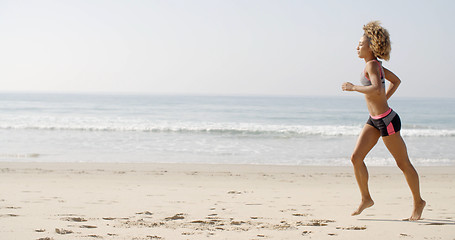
(38,127)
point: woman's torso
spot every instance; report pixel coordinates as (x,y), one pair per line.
(376,102)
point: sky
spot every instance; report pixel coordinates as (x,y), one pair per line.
(214,47)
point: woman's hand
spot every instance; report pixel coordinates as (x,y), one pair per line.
(347,86)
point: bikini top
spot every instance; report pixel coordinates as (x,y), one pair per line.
(365,81)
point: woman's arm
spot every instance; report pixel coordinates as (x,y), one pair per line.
(373,72)
(394,82)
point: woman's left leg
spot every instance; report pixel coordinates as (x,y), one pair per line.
(397,148)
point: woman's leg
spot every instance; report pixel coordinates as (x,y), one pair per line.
(367,139)
(397,148)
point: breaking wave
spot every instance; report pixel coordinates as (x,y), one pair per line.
(219,128)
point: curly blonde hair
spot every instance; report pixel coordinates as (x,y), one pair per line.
(379,39)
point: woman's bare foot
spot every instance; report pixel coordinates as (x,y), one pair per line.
(363,205)
(418,209)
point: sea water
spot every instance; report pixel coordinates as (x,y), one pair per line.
(38,127)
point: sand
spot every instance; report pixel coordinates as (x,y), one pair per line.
(197,201)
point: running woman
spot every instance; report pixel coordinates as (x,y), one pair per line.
(383,121)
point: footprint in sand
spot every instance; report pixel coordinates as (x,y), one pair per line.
(300,214)
(154,237)
(13,207)
(62,231)
(352,228)
(177,216)
(74,219)
(145,213)
(88,226)
(234,192)
(9,215)
(304,233)
(318,223)
(94,236)
(237,222)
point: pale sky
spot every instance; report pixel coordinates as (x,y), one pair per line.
(214,47)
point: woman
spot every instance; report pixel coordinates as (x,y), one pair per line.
(383,121)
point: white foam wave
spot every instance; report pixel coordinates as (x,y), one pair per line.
(19,155)
(428,132)
(212,128)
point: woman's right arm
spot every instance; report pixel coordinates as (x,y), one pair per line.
(394,82)
(375,88)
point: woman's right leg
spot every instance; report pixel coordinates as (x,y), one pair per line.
(367,140)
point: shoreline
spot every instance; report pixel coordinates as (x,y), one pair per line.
(216,201)
(369,163)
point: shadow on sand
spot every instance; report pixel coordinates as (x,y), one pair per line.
(424,221)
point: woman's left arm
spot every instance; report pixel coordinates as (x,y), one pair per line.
(394,82)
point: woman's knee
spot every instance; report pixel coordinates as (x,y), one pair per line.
(404,165)
(357,158)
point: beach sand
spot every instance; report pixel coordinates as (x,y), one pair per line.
(200,201)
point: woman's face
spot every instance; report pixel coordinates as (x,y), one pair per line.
(363,49)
